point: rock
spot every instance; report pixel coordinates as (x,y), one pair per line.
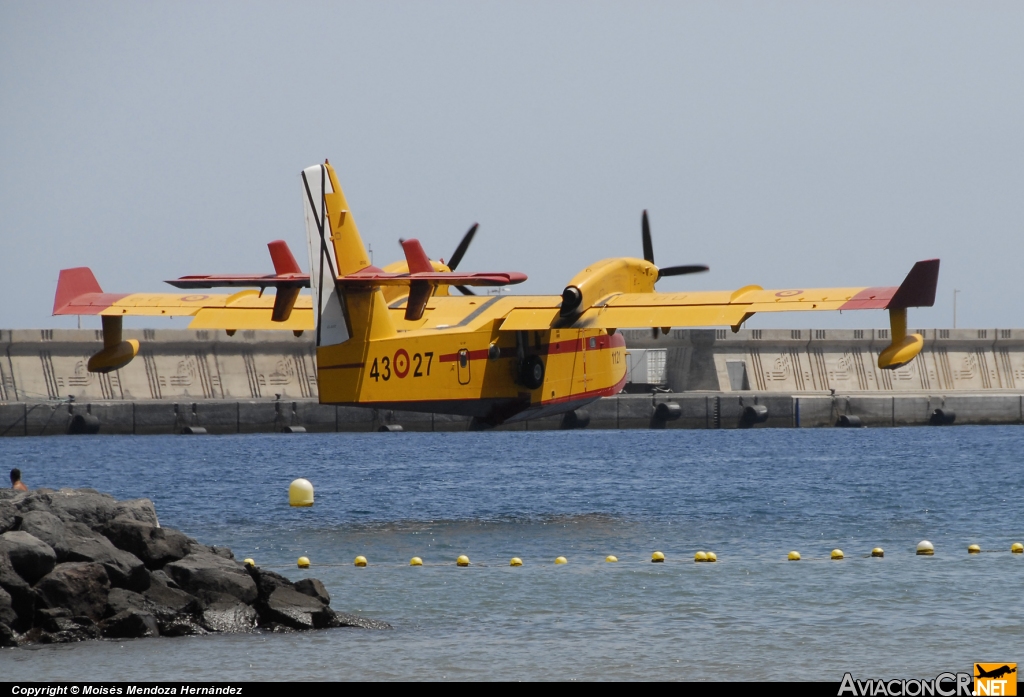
(314,588)
(81,587)
(177,612)
(23,600)
(7,614)
(64,630)
(154,546)
(43,614)
(342,619)
(8,514)
(163,579)
(130,624)
(227,616)
(31,557)
(7,637)
(141,510)
(48,528)
(87,506)
(208,573)
(267,581)
(200,548)
(124,569)
(289,607)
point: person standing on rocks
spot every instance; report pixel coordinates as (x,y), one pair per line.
(16,482)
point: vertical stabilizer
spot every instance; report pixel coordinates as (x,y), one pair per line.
(336,250)
(331,327)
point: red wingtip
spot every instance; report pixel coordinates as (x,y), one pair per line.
(918,288)
(416,257)
(73,283)
(284,260)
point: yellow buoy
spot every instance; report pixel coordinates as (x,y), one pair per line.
(878,552)
(300,493)
(463,560)
(561,560)
(793,556)
(415,561)
(516,561)
(657,557)
(611,558)
(700,556)
(303,562)
(712,556)
(360,560)
(1017,548)
(925,548)
(974,549)
(837,554)
(249,562)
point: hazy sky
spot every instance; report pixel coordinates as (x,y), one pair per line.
(785,144)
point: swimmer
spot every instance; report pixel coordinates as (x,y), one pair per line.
(16,482)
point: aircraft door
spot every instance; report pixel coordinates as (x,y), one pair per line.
(463,366)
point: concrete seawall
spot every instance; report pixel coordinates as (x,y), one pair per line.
(266,382)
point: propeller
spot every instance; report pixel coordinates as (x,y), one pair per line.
(460,251)
(457,255)
(645,227)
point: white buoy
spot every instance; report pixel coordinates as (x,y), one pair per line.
(300,493)
(925,548)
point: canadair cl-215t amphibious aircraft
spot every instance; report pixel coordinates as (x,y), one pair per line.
(396,339)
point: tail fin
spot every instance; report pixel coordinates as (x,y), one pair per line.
(336,250)
(72,284)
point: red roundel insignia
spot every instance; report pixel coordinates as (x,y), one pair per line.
(193,298)
(401,363)
(787,293)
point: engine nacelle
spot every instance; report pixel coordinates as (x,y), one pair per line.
(609,276)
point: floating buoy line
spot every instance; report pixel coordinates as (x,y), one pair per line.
(924,548)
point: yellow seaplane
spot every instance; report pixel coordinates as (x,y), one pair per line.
(395,338)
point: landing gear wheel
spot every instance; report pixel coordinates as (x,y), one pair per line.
(532,373)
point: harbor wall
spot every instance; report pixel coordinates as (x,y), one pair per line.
(266,382)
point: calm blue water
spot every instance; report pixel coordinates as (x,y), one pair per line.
(750,496)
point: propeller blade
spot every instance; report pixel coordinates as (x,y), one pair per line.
(681,270)
(646,230)
(465,290)
(453,263)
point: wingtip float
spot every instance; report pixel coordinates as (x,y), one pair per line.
(395,338)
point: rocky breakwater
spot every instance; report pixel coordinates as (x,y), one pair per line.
(77,564)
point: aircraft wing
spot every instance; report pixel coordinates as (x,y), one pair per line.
(732,308)
(78,293)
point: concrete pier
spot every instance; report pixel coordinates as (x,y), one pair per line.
(266,382)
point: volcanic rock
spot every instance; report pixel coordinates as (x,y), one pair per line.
(7,614)
(81,587)
(229,616)
(314,588)
(48,528)
(153,545)
(124,569)
(31,557)
(297,610)
(130,624)
(201,574)
(77,564)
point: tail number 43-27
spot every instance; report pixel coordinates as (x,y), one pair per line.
(399,365)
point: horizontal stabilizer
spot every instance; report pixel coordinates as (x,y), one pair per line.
(383,278)
(291,280)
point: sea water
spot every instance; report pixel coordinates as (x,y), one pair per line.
(749,496)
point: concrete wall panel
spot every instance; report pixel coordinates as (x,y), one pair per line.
(158,417)
(114,417)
